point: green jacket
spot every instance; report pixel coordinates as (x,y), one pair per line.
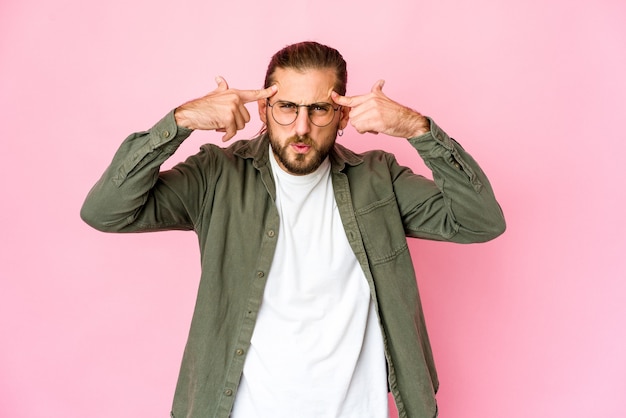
(227,197)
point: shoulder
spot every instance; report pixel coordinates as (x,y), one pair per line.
(344,157)
(243,148)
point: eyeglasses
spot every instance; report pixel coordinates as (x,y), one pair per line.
(285,113)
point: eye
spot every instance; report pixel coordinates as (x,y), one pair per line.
(286,106)
(320,108)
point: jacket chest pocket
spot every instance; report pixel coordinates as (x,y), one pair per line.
(382,230)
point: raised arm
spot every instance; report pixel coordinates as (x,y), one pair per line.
(132,195)
(459,205)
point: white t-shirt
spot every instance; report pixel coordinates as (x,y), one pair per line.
(317,348)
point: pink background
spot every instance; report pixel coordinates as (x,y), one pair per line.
(529,325)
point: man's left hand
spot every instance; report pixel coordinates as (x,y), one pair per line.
(376,113)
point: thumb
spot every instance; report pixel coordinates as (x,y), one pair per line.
(378,86)
(222,85)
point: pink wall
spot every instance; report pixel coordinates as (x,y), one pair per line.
(529,325)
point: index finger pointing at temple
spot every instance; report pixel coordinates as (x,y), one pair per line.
(348,101)
(253,95)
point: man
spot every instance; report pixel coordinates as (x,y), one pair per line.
(308,304)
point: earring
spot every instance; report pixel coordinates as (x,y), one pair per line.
(340,132)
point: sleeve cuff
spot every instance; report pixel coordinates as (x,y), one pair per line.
(167,131)
(435,133)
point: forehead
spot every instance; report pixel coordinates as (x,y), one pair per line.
(304,87)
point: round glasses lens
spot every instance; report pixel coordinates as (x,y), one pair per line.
(285,113)
(321,114)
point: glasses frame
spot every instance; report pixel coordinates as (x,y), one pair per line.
(297,106)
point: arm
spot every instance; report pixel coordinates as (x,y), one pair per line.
(459,205)
(123,199)
(132,195)
(462,207)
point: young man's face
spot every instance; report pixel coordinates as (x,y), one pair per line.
(301,146)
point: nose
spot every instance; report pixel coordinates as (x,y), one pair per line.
(303,123)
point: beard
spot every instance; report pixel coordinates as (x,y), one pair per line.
(301,164)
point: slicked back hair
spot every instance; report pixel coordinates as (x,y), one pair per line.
(309,56)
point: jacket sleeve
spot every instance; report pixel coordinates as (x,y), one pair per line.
(460,206)
(132,196)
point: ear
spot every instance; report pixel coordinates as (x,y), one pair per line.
(344,117)
(262,103)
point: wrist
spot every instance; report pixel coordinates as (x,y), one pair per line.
(421,126)
(182,119)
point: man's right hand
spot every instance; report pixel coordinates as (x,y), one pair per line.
(222,110)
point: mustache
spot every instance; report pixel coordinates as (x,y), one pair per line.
(300,139)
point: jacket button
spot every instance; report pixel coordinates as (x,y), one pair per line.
(239,352)
(166,134)
(228,392)
(271,233)
(260,274)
